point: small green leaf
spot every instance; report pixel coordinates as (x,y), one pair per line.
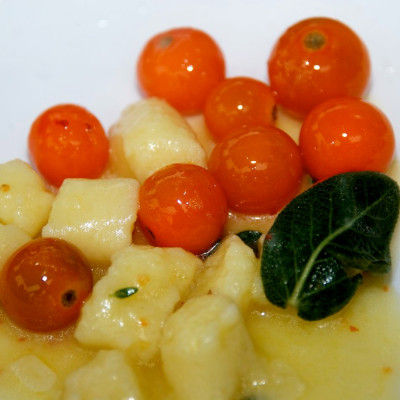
(340,225)
(251,238)
(125,292)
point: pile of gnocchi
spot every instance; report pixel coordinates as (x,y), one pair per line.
(186,314)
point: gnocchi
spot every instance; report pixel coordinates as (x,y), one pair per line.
(150,135)
(100,230)
(24,199)
(162,278)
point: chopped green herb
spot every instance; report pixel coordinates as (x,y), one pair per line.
(318,242)
(125,292)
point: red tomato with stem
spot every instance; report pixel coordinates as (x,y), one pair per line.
(317,59)
(238,103)
(260,169)
(67,141)
(344,135)
(182,205)
(44,284)
(181,66)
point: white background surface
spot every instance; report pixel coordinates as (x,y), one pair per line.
(85,51)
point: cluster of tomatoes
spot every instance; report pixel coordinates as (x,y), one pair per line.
(318,71)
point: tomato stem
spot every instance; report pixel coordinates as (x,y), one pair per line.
(314,40)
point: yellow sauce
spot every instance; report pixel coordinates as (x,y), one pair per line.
(354,355)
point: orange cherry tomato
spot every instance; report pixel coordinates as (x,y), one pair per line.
(182,205)
(44,284)
(259,169)
(315,60)
(67,141)
(343,135)
(238,103)
(181,66)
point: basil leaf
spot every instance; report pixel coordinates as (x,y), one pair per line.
(125,292)
(310,254)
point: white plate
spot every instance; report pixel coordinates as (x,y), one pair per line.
(85,51)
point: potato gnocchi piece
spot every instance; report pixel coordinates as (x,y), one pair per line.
(153,135)
(96,215)
(204,349)
(257,292)
(24,199)
(11,238)
(229,271)
(108,376)
(153,282)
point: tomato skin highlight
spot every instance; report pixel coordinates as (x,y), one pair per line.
(317,59)
(44,284)
(238,103)
(182,205)
(181,66)
(260,169)
(346,135)
(67,141)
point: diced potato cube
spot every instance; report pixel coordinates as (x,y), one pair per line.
(33,373)
(96,215)
(229,271)
(204,136)
(204,346)
(11,238)
(118,165)
(162,277)
(107,377)
(257,293)
(154,135)
(24,199)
